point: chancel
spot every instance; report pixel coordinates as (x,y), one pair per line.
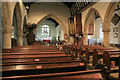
(78,40)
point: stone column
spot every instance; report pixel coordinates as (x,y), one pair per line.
(85,39)
(6,37)
(106,37)
(20,37)
(0,26)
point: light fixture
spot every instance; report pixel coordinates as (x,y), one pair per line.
(27,7)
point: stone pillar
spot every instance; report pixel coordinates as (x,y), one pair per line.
(106,37)
(6,37)
(0,27)
(85,39)
(20,36)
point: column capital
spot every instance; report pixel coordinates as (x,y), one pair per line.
(106,30)
(7,29)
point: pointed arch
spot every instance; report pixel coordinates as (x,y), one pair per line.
(108,16)
(55,18)
(88,18)
(17,9)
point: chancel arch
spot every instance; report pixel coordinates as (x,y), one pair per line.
(49,29)
(55,18)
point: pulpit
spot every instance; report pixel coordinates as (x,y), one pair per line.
(31,35)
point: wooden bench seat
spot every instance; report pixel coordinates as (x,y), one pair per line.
(32,53)
(43,59)
(13,70)
(77,75)
(22,50)
(38,62)
(34,56)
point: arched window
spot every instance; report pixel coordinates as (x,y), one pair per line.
(45,30)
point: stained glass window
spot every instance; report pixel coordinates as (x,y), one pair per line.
(45,30)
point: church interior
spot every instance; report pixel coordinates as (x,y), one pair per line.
(77,40)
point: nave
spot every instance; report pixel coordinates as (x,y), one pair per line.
(60,40)
(40,62)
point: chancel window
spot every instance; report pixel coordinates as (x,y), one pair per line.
(45,30)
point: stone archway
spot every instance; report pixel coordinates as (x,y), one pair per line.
(88,18)
(17,10)
(107,22)
(108,15)
(55,18)
(86,22)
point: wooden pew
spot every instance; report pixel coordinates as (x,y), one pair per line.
(33,53)
(64,64)
(26,62)
(10,69)
(89,51)
(119,67)
(77,75)
(98,54)
(108,57)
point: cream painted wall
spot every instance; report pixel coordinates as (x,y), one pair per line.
(59,32)
(97,28)
(101,7)
(62,35)
(40,10)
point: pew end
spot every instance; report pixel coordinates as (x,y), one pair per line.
(87,55)
(95,57)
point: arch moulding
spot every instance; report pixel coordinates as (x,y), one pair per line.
(55,18)
(87,18)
